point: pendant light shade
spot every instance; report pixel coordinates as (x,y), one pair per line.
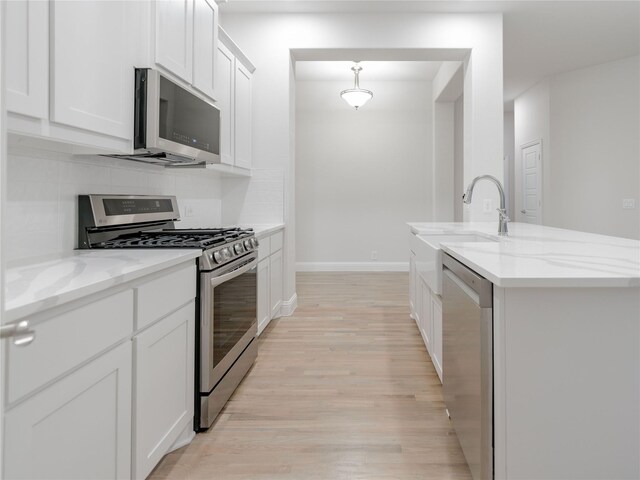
(356,96)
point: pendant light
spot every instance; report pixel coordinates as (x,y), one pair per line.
(356,96)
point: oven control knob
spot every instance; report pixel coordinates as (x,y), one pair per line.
(217,256)
(226,254)
(254,242)
(238,248)
(248,245)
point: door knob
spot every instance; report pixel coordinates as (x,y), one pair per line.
(523,211)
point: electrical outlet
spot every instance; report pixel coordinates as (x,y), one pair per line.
(487,205)
(628,203)
(374,254)
(188,211)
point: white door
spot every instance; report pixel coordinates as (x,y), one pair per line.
(275,283)
(205,46)
(174,36)
(77,428)
(225,70)
(163,382)
(264,303)
(93,57)
(27,58)
(242,106)
(531,211)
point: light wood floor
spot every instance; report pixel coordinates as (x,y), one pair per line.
(344,389)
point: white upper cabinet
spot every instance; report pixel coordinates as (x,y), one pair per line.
(186,41)
(234,72)
(242,120)
(27,58)
(205,46)
(174,36)
(92,61)
(225,70)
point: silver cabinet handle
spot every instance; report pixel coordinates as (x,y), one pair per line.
(523,211)
(20,333)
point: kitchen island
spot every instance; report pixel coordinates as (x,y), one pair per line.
(566,347)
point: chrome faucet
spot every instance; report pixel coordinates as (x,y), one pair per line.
(502,211)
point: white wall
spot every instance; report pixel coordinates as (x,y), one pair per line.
(509,154)
(42,189)
(361,175)
(458,159)
(589,121)
(268,39)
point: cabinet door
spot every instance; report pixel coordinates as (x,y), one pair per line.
(27,58)
(275,282)
(264,307)
(412,284)
(163,387)
(174,36)
(78,428)
(225,70)
(94,49)
(436,341)
(205,46)
(242,121)
(425,317)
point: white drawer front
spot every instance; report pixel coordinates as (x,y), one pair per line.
(264,250)
(67,340)
(161,296)
(276,241)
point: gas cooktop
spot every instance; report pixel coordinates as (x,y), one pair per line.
(173,238)
(144,221)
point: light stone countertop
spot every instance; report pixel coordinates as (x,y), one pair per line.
(539,256)
(262,230)
(35,286)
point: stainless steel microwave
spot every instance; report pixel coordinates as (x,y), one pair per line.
(172,126)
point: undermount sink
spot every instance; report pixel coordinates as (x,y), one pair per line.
(429,255)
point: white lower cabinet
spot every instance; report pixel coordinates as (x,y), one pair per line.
(275,283)
(436,333)
(163,387)
(412,284)
(269,279)
(426,315)
(264,307)
(77,428)
(91,398)
(425,307)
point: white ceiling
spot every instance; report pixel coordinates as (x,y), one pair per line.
(541,38)
(317,70)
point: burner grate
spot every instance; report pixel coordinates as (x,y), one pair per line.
(191,238)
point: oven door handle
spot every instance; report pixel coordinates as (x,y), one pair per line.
(215,281)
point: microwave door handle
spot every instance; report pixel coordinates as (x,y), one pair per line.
(215,281)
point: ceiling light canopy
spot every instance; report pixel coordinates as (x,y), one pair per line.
(356,96)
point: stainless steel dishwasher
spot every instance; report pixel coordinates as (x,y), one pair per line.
(467,322)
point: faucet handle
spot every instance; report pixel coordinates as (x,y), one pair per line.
(503,214)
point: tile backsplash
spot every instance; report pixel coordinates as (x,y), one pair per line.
(42,190)
(256,200)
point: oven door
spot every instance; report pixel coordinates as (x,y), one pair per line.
(227,317)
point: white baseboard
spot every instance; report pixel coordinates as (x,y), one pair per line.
(352,266)
(289,306)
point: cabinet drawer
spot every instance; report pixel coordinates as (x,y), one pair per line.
(276,241)
(161,296)
(264,250)
(67,340)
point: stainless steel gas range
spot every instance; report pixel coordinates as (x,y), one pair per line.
(227,283)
